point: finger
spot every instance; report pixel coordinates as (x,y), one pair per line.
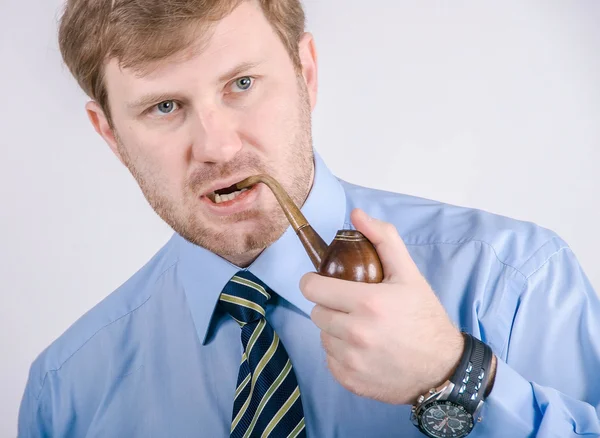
(334,293)
(345,377)
(334,347)
(332,322)
(395,259)
(337,369)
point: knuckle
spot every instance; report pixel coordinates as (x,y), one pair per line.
(353,362)
(347,376)
(358,336)
(389,228)
(371,304)
(339,371)
(324,343)
(307,284)
(347,382)
(314,316)
(314,313)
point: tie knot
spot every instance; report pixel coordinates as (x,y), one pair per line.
(245,297)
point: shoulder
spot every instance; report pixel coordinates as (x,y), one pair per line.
(126,301)
(523,246)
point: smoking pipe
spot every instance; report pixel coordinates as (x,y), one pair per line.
(350,256)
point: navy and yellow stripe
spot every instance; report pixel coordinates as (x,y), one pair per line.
(267,401)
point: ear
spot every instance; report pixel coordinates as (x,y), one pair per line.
(102,127)
(308,56)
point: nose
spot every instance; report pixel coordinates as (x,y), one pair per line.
(215,138)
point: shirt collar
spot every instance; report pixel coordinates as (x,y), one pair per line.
(280,266)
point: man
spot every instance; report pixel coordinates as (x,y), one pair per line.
(229,331)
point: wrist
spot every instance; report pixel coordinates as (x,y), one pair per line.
(446,367)
(451,359)
(492,376)
(461,396)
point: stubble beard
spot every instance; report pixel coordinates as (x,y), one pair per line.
(224,238)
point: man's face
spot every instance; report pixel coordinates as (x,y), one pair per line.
(194,124)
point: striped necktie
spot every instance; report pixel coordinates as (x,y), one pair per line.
(267,400)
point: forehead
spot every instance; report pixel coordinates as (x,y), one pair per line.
(244,36)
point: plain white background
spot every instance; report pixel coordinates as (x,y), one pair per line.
(490,106)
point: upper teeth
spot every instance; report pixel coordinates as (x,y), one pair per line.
(227,197)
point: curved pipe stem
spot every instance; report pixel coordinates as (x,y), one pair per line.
(313,243)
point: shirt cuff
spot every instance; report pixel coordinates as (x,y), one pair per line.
(510,407)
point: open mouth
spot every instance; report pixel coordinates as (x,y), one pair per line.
(226,194)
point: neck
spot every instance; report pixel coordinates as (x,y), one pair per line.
(244,260)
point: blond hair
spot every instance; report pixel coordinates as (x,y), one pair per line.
(139,32)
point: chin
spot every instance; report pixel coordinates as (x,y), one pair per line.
(238,238)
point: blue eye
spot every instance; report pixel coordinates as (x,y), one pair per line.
(243,83)
(166,107)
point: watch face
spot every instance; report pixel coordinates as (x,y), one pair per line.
(444,419)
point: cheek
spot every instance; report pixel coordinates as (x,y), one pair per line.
(161,157)
(156,140)
(271,122)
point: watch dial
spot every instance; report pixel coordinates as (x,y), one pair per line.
(445,419)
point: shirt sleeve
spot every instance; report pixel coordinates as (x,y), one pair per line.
(32,419)
(548,377)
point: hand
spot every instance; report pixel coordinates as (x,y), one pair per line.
(390,341)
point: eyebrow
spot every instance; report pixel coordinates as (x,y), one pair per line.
(149,99)
(238,69)
(155,98)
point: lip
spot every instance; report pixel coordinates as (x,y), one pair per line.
(223,184)
(238,204)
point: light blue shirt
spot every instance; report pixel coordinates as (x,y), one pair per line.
(155,360)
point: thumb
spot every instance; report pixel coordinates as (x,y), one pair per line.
(396,261)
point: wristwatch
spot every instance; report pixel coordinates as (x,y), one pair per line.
(450,410)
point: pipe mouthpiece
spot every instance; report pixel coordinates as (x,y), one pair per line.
(250,181)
